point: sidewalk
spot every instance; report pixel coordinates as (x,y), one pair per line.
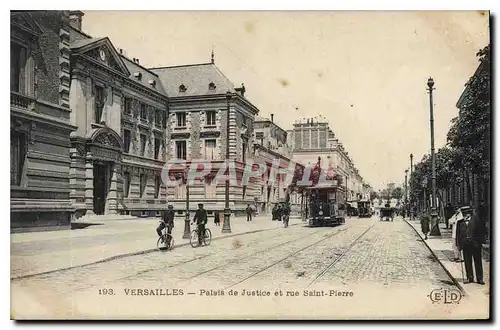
(41,252)
(441,247)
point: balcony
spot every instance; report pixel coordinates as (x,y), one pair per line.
(22,101)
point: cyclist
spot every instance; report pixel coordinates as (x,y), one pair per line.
(167,221)
(200,217)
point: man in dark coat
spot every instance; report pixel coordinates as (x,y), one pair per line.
(167,221)
(249,211)
(200,217)
(471,234)
(217,218)
(448,213)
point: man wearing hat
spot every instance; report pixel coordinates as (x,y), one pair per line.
(200,217)
(167,221)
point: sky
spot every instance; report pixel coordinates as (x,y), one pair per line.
(366,72)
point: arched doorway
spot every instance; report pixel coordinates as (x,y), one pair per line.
(103,171)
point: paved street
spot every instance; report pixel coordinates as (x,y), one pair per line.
(307,272)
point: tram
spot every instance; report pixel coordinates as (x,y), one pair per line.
(326,205)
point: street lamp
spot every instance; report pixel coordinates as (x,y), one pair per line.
(226,227)
(406,188)
(187,226)
(411,199)
(434,216)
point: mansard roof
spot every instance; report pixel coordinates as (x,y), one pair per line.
(197,80)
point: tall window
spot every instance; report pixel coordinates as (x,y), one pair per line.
(180,147)
(98,104)
(244,150)
(144,112)
(158,118)
(210,151)
(180,191)
(164,121)
(126,184)
(181,119)
(157,147)
(157,186)
(143,182)
(17,157)
(17,59)
(128,105)
(126,140)
(143,144)
(210,118)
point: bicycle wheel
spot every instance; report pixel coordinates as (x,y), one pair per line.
(208,237)
(165,242)
(193,240)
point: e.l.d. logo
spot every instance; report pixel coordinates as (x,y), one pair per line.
(445,296)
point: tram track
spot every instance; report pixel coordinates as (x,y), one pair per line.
(336,260)
(287,257)
(235,260)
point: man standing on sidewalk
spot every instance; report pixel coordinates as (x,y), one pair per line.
(470,237)
(249,211)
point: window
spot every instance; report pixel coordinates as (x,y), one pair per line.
(181,119)
(244,151)
(164,117)
(126,140)
(157,147)
(158,118)
(98,104)
(17,157)
(210,118)
(144,112)
(211,86)
(210,151)
(157,186)
(180,147)
(182,88)
(17,59)
(126,184)
(143,144)
(128,105)
(244,192)
(143,181)
(211,189)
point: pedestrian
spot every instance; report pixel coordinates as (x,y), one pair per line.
(458,216)
(217,218)
(448,213)
(249,211)
(200,217)
(424,223)
(274,212)
(471,233)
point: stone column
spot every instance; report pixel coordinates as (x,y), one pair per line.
(112,198)
(89,184)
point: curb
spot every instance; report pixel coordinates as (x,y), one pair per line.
(457,284)
(131,254)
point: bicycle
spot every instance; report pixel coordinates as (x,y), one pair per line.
(165,242)
(207,239)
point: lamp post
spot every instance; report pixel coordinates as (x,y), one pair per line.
(434,216)
(187,226)
(226,227)
(406,190)
(411,199)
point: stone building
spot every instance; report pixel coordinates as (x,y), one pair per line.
(312,140)
(270,146)
(119,147)
(197,130)
(40,123)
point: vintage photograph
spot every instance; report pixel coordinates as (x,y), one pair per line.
(250,165)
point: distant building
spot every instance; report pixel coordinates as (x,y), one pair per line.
(312,140)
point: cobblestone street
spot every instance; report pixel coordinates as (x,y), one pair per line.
(363,257)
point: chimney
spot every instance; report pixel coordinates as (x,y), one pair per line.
(272,118)
(75,19)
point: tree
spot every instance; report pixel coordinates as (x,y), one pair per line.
(374,195)
(397,193)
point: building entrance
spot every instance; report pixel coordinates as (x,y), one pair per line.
(101,186)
